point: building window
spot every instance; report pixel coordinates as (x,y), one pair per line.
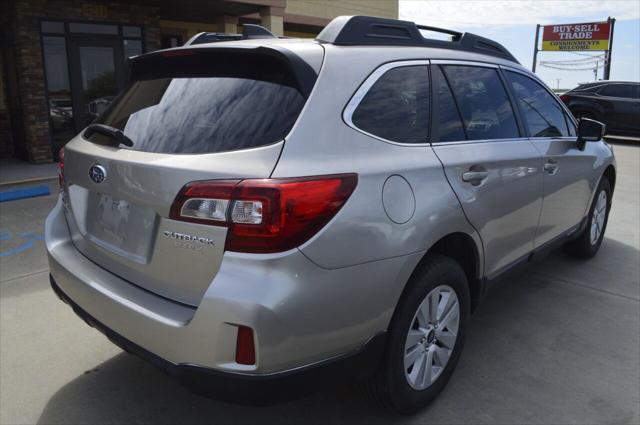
(93,28)
(58,90)
(132,47)
(171,40)
(135,32)
(85,68)
(53,27)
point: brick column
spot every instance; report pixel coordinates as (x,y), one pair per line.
(31,84)
(272,18)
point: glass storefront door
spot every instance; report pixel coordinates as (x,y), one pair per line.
(85,69)
(61,122)
(97,75)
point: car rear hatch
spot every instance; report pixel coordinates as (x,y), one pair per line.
(191,114)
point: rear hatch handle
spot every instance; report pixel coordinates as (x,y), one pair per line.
(110,132)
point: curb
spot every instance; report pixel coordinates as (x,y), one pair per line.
(29,180)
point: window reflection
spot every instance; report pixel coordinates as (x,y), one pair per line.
(198,115)
(59,93)
(98,79)
(396,107)
(543,115)
(483,102)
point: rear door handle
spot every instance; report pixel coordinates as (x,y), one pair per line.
(474,176)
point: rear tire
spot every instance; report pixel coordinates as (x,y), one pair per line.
(588,242)
(425,337)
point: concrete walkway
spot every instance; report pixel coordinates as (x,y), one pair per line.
(14,171)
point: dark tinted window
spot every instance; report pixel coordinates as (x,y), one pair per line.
(629,91)
(586,88)
(543,115)
(235,107)
(483,102)
(448,124)
(396,107)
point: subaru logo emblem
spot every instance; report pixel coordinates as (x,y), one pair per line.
(97,173)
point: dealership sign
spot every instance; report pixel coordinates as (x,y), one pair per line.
(570,37)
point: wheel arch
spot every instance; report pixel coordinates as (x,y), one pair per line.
(610,174)
(462,248)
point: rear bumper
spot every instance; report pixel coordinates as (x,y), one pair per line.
(250,388)
(301,314)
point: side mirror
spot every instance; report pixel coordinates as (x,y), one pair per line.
(589,131)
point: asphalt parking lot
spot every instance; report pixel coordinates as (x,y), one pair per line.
(557,343)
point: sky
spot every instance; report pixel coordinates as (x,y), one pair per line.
(513,24)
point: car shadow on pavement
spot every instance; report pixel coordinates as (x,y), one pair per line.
(126,389)
(528,346)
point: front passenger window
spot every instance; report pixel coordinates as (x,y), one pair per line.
(543,115)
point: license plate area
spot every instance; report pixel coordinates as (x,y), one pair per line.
(121,227)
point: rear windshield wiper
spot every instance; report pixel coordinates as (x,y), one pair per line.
(110,132)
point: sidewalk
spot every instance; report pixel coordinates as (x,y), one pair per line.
(14,171)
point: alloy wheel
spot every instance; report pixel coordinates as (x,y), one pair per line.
(431,337)
(598,216)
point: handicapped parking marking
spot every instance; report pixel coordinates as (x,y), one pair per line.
(29,239)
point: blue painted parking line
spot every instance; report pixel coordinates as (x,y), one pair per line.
(29,192)
(29,237)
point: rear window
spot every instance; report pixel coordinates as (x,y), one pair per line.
(205,104)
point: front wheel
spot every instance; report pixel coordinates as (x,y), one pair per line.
(587,244)
(426,336)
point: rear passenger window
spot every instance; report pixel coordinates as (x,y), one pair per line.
(396,107)
(483,102)
(448,124)
(543,115)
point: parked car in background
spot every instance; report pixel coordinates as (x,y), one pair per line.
(272,214)
(614,103)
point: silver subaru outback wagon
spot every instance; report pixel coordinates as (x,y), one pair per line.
(258,215)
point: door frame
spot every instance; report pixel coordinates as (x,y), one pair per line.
(86,37)
(75,70)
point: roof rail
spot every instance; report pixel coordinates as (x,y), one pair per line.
(249,32)
(372,31)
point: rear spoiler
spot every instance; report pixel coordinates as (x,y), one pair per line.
(152,65)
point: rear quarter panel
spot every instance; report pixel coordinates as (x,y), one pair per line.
(321,143)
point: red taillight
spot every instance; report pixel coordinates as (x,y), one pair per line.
(265,215)
(245,348)
(565,98)
(61,168)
